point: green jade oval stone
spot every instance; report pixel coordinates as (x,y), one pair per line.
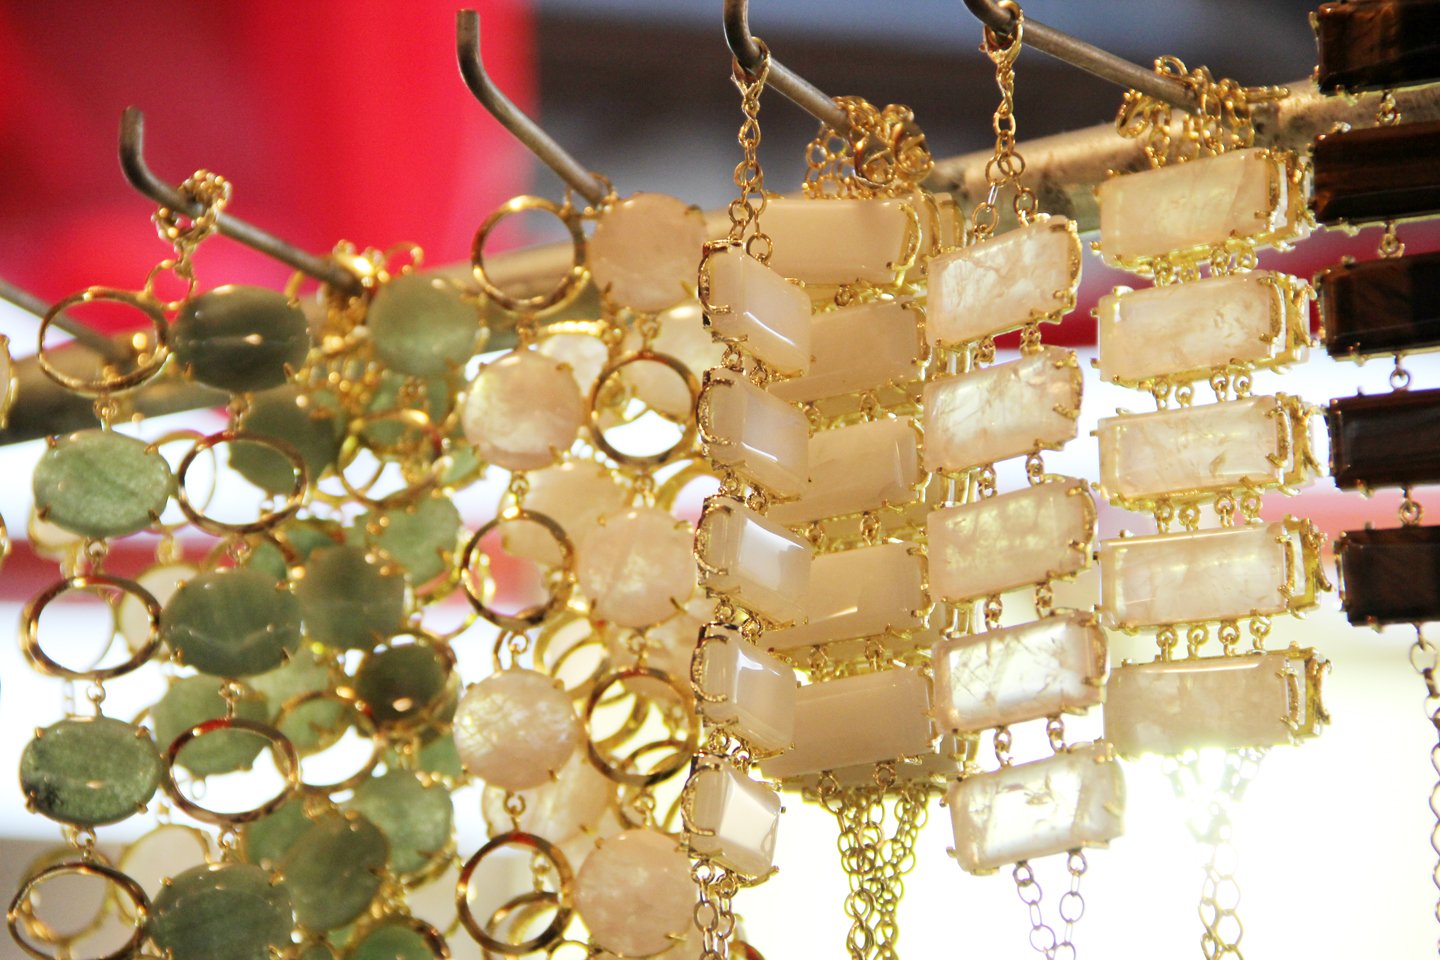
(333,869)
(402,683)
(438,756)
(240,338)
(99,483)
(90,772)
(303,535)
(348,601)
(308,422)
(266,841)
(416,819)
(421,538)
(232,623)
(420,326)
(391,941)
(193,700)
(313,725)
(221,911)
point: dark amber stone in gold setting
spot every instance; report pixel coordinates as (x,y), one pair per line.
(1390,576)
(1377,44)
(1380,306)
(1386,440)
(1377,174)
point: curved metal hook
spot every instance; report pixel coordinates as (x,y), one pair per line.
(1085,56)
(527,131)
(796,88)
(138,173)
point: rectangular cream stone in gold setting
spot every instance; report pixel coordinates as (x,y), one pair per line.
(837,240)
(733,819)
(1006,410)
(1186,209)
(1222,573)
(746,690)
(863,466)
(1250,700)
(860,347)
(858,593)
(1210,448)
(866,718)
(1054,665)
(1000,543)
(748,303)
(759,436)
(1188,330)
(1073,799)
(1001,284)
(752,560)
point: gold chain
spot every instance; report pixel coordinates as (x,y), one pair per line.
(1221,121)
(1423,657)
(1072,907)
(1007,165)
(212,192)
(745,209)
(713,915)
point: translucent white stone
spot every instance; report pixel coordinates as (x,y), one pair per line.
(749,303)
(516,729)
(683,336)
(752,560)
(1208,448)
(866,718)
(1027,274)
(559,809)
(637,567)
(1191,207)
(644,249)
(584,354)
(858,593)
(748,691)
(855,468)
(1073,799)
(761,437)
(523,411)
(742,815)
(1215,574)
(836,240)
(1002,411)
(861,347)
(1053,665)
(1167,708)
(1000,543)
(575,494)
(162,581)
(634,893)
(1186,330)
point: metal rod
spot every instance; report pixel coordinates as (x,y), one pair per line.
(502,108)
(796,88)
(1085,56)
(138,173)
(83,334)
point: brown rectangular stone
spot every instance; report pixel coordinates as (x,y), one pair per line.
(1376,44)
(1377,174)
(1386,440)
(1380,306)
(1390,576)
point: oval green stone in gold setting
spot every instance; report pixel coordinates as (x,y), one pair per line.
(348,600)
(392,941)
(192,700)
(266,841)
(99,483)
(402,684)
(415,818)
(420,326)
(312,725)
(334,869)
(421,538)
(232,623)
(302,420)
(240,338)
(222,911)
(90,771)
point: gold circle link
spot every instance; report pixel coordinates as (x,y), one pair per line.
(568,286)
(665,770)
(20,906)
(269,518)
(42,661)
(364,724)
(279,743)
(355,441)
(561,898)
(687,438)
(531,616)
(102,384)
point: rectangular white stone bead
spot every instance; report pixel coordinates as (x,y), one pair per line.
(1073,799)
(1205,449)
(733,819)
(1001,284)
(1221,573)
(748,303)
(1248,700)
(860,347)
(1186,331)
(1000,543)
(746,690)
(835,240)
(1187,209)
(752,560)
(1006,410)
(858,593)
(761,437)
(863,466)
(867,718)
(1053,665)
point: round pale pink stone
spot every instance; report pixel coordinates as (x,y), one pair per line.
(515,729)
(523,411)
(557,810)
(575,494)
(635,893)
(637,567)
(683,336)
(645,252)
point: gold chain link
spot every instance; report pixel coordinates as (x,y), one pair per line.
(1425,659)
(745,209)
(1072,907)
(1007,165)
(1222,119)
(713,915)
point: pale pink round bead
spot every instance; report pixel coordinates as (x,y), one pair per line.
(523,411)
(558,811)
(645,252)
(515,729)
(637,567)
(635,894)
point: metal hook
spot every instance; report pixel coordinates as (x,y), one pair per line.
(797,89)
(1085,56)
(527,131)
(132,162)
(83,334)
